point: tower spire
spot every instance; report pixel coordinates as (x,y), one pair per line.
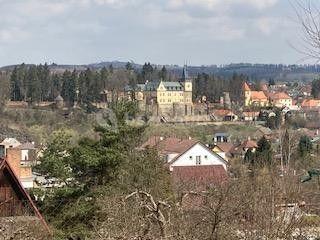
(185,75)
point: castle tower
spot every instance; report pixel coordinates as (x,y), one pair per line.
(187,81)
(247,94)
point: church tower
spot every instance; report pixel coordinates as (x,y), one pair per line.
(247,94)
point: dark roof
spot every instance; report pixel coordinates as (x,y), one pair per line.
(203,175)
(173,86)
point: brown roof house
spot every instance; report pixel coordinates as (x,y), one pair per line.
(194,163)
(223,149)
(18,213)
(242,148)
(189,160)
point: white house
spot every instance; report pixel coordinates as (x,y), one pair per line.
(196,154)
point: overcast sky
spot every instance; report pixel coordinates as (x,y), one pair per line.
(159,31)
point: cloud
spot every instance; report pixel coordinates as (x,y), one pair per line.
(221,4)
(267,25)
(9,35)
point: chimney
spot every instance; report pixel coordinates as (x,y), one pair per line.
(161,138)
(249,138)
(14,160)
(189,138)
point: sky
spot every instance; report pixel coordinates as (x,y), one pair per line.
(201,32)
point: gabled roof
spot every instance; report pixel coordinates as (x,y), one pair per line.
(167,145)
(193,144)
(173,86)
(259,95)
(310,103)
(58,98)
(4,165)
(10,141)
(279,96)
(225,147)
(246,87)
(249,144)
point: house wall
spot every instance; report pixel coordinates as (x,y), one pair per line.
(171,156)
(198,150)
(283,102)
(14,159)
(169,97)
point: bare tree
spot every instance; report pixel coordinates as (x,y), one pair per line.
(308,15)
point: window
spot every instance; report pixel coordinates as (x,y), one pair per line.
(198,160)
(205,157)
(190,157)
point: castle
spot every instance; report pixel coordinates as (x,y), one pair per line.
(165,98)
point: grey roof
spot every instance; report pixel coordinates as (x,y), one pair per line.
(221,134)
(27,146)
(59,98)
(152,86)
(173,86)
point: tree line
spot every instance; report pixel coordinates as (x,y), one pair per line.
(37,83)
(213,86)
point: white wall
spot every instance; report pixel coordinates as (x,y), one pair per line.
(198,150)
(24,155)
(171,156)
(27,182)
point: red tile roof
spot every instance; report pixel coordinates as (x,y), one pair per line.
(225,147)
(200,175)
(310,103)
(279,95)
(223,112)
(258,95)
(181,146)
(249,144)
(246,87)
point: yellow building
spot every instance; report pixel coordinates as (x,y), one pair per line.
(167,96)
(254,98)
(280,99)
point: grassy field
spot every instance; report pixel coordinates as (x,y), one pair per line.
(203,133)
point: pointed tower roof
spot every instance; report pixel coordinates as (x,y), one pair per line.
(185,74)
(246,87)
